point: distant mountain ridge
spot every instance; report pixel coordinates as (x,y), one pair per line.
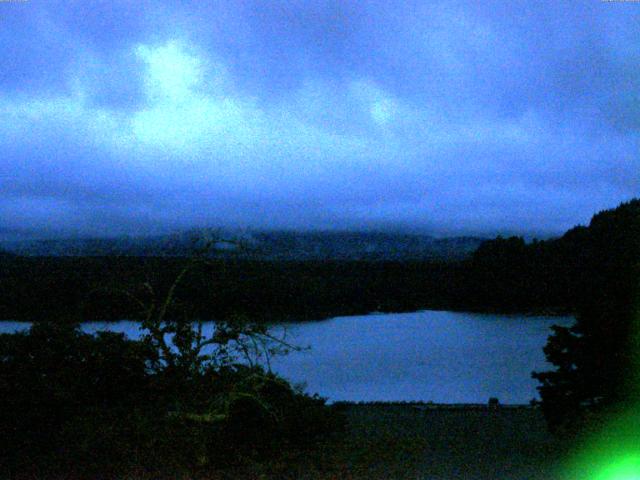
(269,245)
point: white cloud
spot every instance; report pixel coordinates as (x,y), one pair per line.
(172,73)
(330,150)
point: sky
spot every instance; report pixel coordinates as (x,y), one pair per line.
(447,117)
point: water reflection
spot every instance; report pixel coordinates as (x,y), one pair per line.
(447,357)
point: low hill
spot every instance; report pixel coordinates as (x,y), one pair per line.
(264,245)
(509,274)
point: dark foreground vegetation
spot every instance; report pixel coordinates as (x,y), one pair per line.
(83,406)
(383,441)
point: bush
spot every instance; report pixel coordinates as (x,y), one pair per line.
(70,401)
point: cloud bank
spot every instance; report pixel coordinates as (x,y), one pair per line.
(121,117)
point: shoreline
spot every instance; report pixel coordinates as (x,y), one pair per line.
(424,406)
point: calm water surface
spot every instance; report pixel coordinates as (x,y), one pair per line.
(445,357)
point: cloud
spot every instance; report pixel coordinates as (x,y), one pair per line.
(447,117)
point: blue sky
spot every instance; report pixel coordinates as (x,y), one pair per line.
(450,117)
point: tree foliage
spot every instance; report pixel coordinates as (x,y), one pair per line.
(179,398)
(597,361)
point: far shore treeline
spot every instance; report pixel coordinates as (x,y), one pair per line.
(506,275)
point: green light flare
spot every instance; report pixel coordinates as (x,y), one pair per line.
(625,469)
(613,453)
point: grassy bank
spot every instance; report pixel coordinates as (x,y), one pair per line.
(435,442)
(405,441)
(396,441)
(408,441)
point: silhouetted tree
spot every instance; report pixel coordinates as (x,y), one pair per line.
(596,360)
(180,397)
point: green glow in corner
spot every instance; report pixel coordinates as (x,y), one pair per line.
(610,453)
(625,469)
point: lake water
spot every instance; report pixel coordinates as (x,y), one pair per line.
(445,357)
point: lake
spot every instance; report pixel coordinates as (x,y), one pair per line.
(444,357)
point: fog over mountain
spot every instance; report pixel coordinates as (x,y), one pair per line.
(264,245)
(447,117)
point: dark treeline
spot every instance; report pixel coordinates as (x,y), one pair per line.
(569,273)
(509,275)
(90,288)
(504,275)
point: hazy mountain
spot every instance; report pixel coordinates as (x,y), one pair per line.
(273,245)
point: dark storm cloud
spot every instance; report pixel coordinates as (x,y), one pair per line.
(454,116)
